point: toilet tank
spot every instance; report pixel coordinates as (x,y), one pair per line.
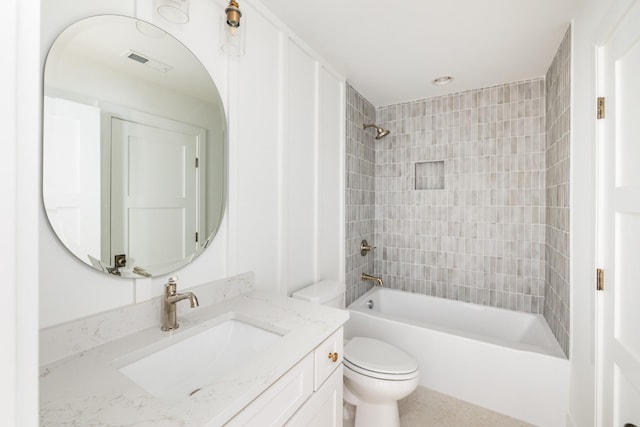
(326,292)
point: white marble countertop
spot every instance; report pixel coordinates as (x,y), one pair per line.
(86,389)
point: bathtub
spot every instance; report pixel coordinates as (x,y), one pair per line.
(500,359)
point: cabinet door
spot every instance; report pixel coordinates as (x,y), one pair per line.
(324,407)
(278,402)
(328,356)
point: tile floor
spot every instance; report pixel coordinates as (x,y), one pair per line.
(428,408)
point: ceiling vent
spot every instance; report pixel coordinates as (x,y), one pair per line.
(147,61)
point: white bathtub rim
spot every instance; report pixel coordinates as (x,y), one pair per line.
(554,351)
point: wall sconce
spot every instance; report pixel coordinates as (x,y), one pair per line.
(233,14)
(176,11)
(232,32)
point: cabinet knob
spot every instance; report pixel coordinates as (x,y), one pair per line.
(333,357)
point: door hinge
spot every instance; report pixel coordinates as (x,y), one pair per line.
(600,107)
(600,279)
(197,162)
(196,236)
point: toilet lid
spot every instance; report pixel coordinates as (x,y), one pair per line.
(377,356)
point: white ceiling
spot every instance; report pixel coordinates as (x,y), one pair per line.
(390,51)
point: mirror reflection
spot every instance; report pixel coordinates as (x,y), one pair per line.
(134,152)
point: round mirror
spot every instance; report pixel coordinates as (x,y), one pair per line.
(134,151)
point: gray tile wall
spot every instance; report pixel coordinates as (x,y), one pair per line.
(481,238)
(558,111)
(360,192)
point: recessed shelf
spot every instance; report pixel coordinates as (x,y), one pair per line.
(430,175)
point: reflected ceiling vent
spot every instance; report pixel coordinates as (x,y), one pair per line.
(149,62)
(136,57)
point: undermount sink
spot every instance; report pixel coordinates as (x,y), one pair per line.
(182,364)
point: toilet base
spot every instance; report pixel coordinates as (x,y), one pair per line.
(377,415)
(367,414)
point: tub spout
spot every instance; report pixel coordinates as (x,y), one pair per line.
(377,279)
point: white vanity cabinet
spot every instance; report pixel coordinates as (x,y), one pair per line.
(309,394)
(281,400)
(324,407)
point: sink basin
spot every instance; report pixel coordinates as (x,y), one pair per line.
(178,368)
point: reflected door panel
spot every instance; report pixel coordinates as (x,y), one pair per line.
(71,173)
(154,194)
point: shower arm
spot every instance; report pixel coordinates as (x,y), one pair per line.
(380,132)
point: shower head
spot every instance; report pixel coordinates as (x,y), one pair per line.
(380,132)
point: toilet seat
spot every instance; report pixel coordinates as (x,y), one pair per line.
(378,359)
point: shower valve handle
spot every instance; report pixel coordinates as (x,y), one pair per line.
(365,248)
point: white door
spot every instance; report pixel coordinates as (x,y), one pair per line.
(619,224)
(154,194)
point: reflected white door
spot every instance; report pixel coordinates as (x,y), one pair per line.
(619,230)
(71,174)
(154,194)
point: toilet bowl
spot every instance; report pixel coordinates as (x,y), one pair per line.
(376,374)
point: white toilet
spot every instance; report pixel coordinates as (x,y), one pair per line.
(376,374)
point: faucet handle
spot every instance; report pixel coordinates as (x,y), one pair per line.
(170,288)
(365,248)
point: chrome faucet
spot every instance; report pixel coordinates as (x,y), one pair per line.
(169,300)
(377,279)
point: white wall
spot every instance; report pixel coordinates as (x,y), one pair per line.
(19,189)
(271,225)
(332,175)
